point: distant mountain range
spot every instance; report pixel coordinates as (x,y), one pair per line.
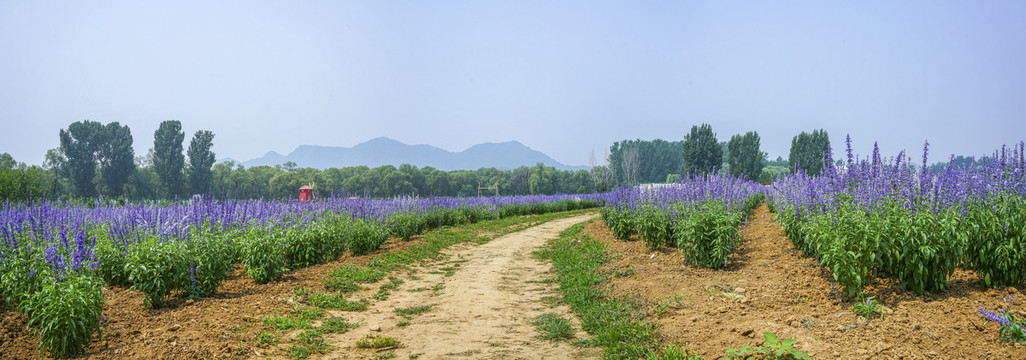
(385,151)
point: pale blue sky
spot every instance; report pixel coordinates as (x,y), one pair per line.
(563,77)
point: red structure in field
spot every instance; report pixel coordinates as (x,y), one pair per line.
(305,194)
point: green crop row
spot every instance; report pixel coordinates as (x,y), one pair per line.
(919,248)
(706,232)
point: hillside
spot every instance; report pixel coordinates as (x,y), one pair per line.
(385,151)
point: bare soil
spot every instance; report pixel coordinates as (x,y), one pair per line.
(769,286)
(483,302)
(483,298)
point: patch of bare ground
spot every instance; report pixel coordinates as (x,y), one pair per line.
(481,301)
(770,286)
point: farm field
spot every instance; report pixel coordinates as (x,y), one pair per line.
(768,285)
(244,316)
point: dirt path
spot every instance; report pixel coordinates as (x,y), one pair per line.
(770,286)
(482,300)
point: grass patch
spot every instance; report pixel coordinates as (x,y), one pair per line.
(377,342)
(403,323)
(310,342)
(266,339)
(616,325)
(551,326)
(550,301)
(413,310)
(347,278)
(392,284)
(299,318)
(337,325)
(381,295)
(335,301)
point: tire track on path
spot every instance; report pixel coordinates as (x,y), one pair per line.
(481,311)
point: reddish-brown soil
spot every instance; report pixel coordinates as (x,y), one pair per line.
(224,326)
(770,286)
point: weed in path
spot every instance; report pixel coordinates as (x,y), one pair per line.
(377,342)
(337,325)
(413,310)
(310,342)
(551,326)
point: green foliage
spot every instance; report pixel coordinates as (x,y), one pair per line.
(672,352)
(156,268)
(773,348)
(995,240)
(620,222)
(376,342)
(79,144)
(406,225)
(262,256)
(551,326)
(654,160)
(702,152)
(337,302)
(809,152)
(346,278)
(411,311)
(111,258)
(744,156)
(21,183)
(337,325)
(868,308)
(210,261)
(364,237)
(310,342)
(708,235)
(116,158)
(611,322)
(65,314)
(201,159)
(655,227)
(921,249)
(168,160)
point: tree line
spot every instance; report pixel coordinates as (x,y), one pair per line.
(96,159)
(641,161)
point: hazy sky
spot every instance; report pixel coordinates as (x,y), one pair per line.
(563,77)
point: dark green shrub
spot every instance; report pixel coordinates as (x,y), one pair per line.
(156,268)
(65,314)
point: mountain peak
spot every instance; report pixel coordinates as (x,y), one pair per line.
(386,151)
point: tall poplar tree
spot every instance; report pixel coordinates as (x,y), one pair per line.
(168,159)
(201,159)
(116,158)
(808,152)
(744,156)
(702,152)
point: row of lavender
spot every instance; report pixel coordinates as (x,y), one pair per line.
(698,215)
(55,258)
(884,216)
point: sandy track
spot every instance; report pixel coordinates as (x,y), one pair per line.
(483,298)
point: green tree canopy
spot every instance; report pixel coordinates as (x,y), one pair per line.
(745,158)
(80,143)
(168,160)
(808,152)
(201,160)
(116,158)
(702,152)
